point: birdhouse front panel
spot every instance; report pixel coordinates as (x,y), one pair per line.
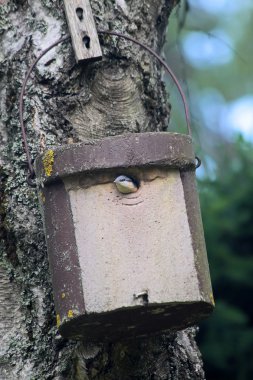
(126,243)
(134,243)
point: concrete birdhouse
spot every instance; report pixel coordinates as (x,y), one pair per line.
(124,263)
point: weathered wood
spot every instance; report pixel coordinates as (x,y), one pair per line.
(122,96)
(83,30)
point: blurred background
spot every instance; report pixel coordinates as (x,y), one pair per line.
(210,49)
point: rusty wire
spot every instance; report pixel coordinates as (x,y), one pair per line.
(31,173)
(165,66)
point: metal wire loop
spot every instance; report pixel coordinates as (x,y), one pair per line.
(31,175)
(165,66)
(198,162)
(30,179)
(21,109)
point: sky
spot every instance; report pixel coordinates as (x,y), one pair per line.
(217,48)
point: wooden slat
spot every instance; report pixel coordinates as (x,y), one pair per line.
(83,30)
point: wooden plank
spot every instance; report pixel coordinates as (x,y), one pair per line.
(83,30)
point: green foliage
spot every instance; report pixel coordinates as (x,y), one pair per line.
(226,339)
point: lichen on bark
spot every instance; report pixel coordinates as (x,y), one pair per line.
(67,103)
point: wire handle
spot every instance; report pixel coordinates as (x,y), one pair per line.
(31,174)
(165,66)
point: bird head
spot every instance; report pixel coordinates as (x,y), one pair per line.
(125,184)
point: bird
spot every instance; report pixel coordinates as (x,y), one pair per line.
(125,185)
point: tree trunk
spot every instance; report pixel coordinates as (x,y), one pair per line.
(66,103)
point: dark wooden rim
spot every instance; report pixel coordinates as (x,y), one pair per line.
(157,149)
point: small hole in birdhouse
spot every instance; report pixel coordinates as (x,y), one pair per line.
(86,41)
(126,184)
(136,182)
(143,296)
(79,13)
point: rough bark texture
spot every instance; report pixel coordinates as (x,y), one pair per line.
(67,103)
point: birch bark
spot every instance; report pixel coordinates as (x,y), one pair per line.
(67,103)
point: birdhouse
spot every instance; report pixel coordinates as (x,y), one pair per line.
(124,264)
